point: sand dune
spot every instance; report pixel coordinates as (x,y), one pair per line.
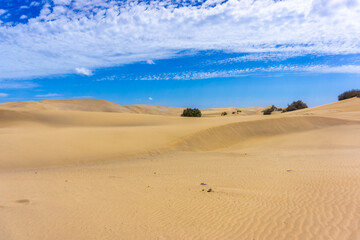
(154,110)
(233,111)
(90,105)
(227,135)
(349,108)
(109,171)
(98,105)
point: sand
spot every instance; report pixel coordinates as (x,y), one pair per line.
(92,169)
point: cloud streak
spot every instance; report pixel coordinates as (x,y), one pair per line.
(196,75)
(17,84)
(84,71)
(48,95)
(99,33)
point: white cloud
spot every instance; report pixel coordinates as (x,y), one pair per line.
(62,2)
(150,62)
(268,56)
(84,71)
(17,84)
(109,78)
(2,11)
(7,15)
(194,75)
(48,95)
(333,69)
(4,94)
(97,33)
(82,97)
(150,98)
(34,4)
(23,17)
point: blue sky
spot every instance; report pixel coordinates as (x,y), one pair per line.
(212,53)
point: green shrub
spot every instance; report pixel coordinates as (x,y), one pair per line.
(296,105)
(233,112)
(268,111)
(191,112)
(239,111)
(223,113)
(349,94)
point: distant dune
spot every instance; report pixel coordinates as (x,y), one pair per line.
(90,105)
(92,169)
(98,105)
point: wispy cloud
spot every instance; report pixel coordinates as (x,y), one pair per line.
(34,4)
(48,95)
(332,69)
(17,84)
(150,62)
(150,98)
(263,57)
(109,78)
(82,97)
(62,2)
(194,75)
(84,71)
(96,33)
(4,94)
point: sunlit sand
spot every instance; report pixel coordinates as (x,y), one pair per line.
(92,169)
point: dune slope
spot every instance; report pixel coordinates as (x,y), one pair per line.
(349,108)
(227,135)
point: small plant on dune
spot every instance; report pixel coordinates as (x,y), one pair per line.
(296,105)
(223,113)
(268,111)
(191,112)
(239,111)
(233,112)
(349,94)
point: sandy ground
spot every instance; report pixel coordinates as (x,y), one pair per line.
(70,170)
